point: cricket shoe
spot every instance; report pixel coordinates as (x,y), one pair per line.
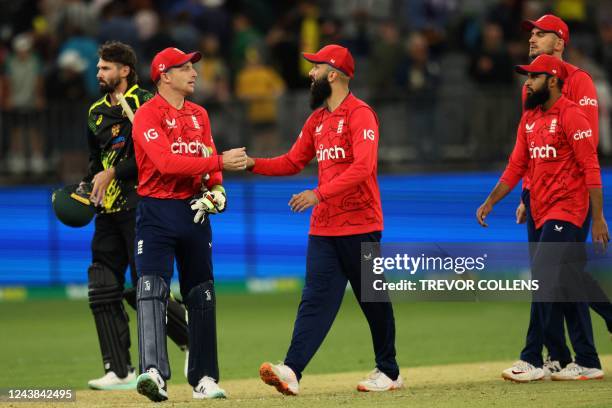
(110,382)
(281,377)
(523,372)
(551,367)
(152,385)
(207,388)
(574,371)
(379,381)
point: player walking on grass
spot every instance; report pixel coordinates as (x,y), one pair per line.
(343,136)
(550,35)
(171,135)
(556,149)
(112,179)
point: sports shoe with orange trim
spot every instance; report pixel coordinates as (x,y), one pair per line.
(281,377)
(574,371)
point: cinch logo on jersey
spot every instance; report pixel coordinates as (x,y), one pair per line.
(180,147)
(583,134)
(334,152)
(588,101)
(542,152)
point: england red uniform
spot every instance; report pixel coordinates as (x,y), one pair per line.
(345,144)
(578,87)
(169,144)
(557,150)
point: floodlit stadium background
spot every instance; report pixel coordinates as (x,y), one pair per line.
(438,73)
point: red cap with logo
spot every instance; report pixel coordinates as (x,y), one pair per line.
(171,58)
(336,56)
(544,64)
(550,24)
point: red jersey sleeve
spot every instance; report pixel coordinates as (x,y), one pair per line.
(150,137)
(580,137)
(519,159)
(216,177)
(292,162)
(363,126)
(583,92)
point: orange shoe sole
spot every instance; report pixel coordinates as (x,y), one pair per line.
(581,378)
(268,376)
(362,388)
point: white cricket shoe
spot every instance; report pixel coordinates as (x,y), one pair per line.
(152,385)
(281,377)
(110,382)
(522,372)
(379,381)
(575,372)
(207,388)
(551,367)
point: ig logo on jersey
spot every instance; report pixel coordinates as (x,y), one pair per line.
(150,134)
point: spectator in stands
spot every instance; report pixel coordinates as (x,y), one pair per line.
(245,37)
(212,87)
(492,114)
(419,78)
(65,81)
(259,86)
(87,47)
(384,61)
(24,85)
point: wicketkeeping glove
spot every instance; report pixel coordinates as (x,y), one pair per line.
(211,202)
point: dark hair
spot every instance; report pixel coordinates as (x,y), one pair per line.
(118,52)
(559,81)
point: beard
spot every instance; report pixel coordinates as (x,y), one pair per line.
(537,98)
(109,87)
(320,90)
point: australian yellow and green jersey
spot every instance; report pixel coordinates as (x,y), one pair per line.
(110,145)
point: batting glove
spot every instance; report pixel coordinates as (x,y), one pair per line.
(219,197)
(211,202)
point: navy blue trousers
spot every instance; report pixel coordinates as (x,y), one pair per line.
(546,318)
(330,263)
(165,231)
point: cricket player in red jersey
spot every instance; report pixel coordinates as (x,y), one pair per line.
(175,154)
(555,147)
(343,136)
(550,35)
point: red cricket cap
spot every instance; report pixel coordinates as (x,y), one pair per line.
(334,55)
(544,64)
(171,58)
(550,24)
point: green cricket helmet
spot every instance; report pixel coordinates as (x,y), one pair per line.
(71,208)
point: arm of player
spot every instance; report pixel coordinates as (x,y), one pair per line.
(580,137)
(364,134)
(214,177)
(290,163)
(585,95)
(515,170)
(149,136)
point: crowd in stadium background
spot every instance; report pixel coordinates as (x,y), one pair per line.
(438,72)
